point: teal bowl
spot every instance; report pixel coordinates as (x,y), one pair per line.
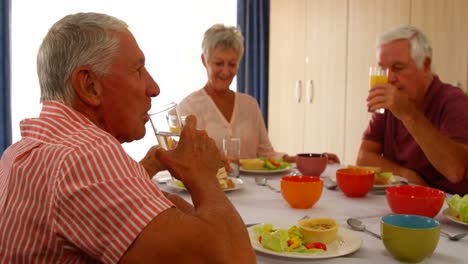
(410,238)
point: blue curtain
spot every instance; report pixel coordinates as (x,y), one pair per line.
(253,18)
(5,113)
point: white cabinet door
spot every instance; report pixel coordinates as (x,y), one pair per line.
(325,75)
(286,71)
(307,75)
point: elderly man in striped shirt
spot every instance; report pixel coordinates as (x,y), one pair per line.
(68,191)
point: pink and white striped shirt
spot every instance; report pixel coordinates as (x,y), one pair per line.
(70,194)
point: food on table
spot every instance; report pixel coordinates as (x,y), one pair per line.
(459,207)
(252,164)
(282,240)
(223,179)
(320,226)
(381,178)
(322,230)
(179,183)
(263,163)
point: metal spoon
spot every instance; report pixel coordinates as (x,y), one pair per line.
(329,184)
(454,237)
(263,181)
(359,226)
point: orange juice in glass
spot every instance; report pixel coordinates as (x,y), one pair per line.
(377,75)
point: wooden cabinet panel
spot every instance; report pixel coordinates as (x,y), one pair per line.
(446,24)
(367,19)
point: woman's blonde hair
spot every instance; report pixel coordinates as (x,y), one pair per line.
(224,36)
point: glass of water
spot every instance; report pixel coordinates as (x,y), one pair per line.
(231,149)
(162,122)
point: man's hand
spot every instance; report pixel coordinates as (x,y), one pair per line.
(370,155)
(385,95)
(151,164)
(195,160)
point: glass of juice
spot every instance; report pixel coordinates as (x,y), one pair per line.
(377,75)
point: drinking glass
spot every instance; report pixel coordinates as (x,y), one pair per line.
(167,135)
(377,75)
(175,121)
(231,149)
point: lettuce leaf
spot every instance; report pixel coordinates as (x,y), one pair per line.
(459,206)
(276,240)
(386,175)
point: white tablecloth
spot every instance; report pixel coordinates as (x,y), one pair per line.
(257,204)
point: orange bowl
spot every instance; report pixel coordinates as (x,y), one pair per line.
(355,182)
(311,163)
(415,200)
(301,191)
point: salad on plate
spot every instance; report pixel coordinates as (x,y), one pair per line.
(264,164)
(459,207)
(282,240)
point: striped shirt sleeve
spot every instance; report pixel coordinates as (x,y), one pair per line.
(103,200)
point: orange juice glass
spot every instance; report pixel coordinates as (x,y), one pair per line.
(377,75)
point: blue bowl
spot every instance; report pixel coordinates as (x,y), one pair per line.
(410,238)
(410,221)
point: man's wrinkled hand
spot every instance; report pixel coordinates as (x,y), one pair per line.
(196,154)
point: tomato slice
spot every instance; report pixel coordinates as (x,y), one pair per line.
(274,162)
(317,245)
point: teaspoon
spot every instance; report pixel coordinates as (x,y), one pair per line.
(359,226)
(263,181)
(454,237)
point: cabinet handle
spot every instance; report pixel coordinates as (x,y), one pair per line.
(298,91)
(310,91)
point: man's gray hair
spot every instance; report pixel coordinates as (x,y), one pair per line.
(82,39)
(419,43)
(224,36)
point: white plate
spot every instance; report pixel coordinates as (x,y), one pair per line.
(346,242)
(447,214)
(395,182)
(265,171)
(238,182)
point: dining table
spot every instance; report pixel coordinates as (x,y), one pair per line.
(259,204)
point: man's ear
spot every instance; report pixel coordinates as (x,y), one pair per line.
(86,85)
(203,59)
(427,65)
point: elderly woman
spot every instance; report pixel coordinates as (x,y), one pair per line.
(220,111)
(225,113)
